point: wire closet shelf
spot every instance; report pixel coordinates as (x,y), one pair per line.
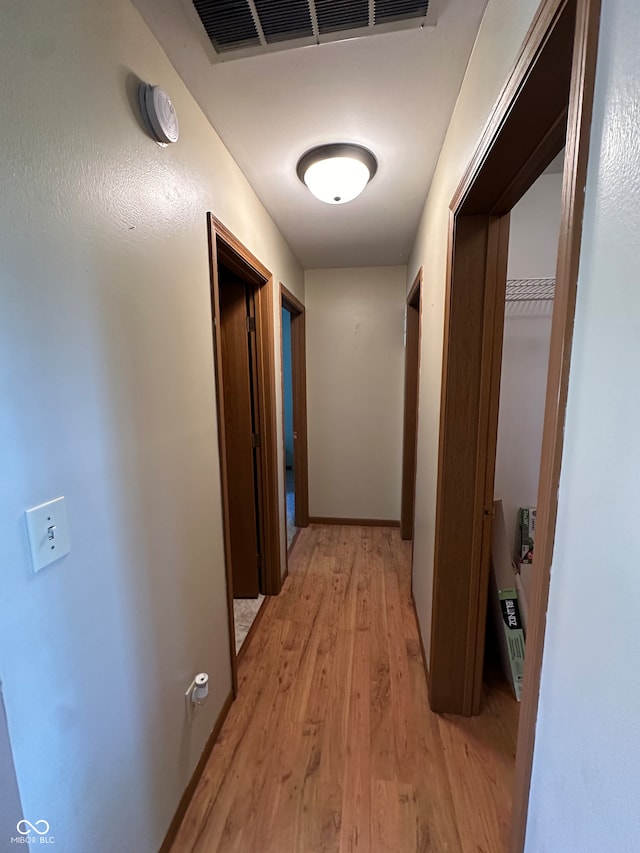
(530,289)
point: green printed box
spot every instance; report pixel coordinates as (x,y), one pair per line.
(527,522)
(505,605)
(512,639)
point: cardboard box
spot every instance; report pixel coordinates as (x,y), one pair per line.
(523,587)
(505,605)
(527,523)
(523,602)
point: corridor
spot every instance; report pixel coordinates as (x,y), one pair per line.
(330,745)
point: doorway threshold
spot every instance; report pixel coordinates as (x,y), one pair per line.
(245,611)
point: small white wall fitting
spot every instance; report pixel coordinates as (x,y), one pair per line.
(198,690)
(159,113)
(48,533)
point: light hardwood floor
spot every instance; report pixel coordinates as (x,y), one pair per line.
(330,745)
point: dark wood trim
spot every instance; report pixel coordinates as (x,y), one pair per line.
(253,628)
(189,791)
(268,452)
(475,317)
(292,303)
(547,148)
(519,112)
(299,365)
(413,346)
(413,297)
(237,256)
(301,463)
(222,442)
(225,248)
(492,340)
(575,176)
(548,97)
(299,357)
(354,522)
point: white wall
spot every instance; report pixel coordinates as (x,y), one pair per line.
(584,793)
(535,229)
(523,385)
(355,376)
(533,247)
(500,37)
(10,808)
(107,397)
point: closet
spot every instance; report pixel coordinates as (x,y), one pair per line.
(533,241)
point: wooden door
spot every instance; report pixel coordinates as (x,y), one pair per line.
(466,464)
(545,103)
(296,309)
(239,431)
(410,440)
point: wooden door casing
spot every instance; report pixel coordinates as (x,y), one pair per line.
(411,392)
(238,426)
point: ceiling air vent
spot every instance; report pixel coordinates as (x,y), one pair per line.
(335,17)
(283,21)
(399,10)
(229,24)
(248,27)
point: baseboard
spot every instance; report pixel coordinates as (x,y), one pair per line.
(189,791)
(354,522)
(424,656)
(252,629)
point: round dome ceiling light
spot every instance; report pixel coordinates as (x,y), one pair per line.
(337,173)
(159,113)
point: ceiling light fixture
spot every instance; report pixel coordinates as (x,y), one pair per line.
(337,173)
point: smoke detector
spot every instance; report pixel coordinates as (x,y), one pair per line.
(159,113)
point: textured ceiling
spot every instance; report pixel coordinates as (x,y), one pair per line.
(393,93)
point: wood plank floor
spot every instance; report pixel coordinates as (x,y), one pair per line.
(330,745)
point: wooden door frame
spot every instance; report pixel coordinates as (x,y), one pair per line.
(547,102)
(413,346)
(225,248)
(299,382)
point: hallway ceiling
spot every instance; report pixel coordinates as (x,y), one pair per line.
(393,92)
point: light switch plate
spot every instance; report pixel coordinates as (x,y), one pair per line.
(48,533)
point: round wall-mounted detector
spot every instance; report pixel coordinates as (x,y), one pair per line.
(159,113)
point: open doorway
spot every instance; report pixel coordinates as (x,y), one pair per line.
(533,246)
(239,372)
(546,102)
(294,413)
(237,328)
(242,322)
(287,419)
(412,343)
